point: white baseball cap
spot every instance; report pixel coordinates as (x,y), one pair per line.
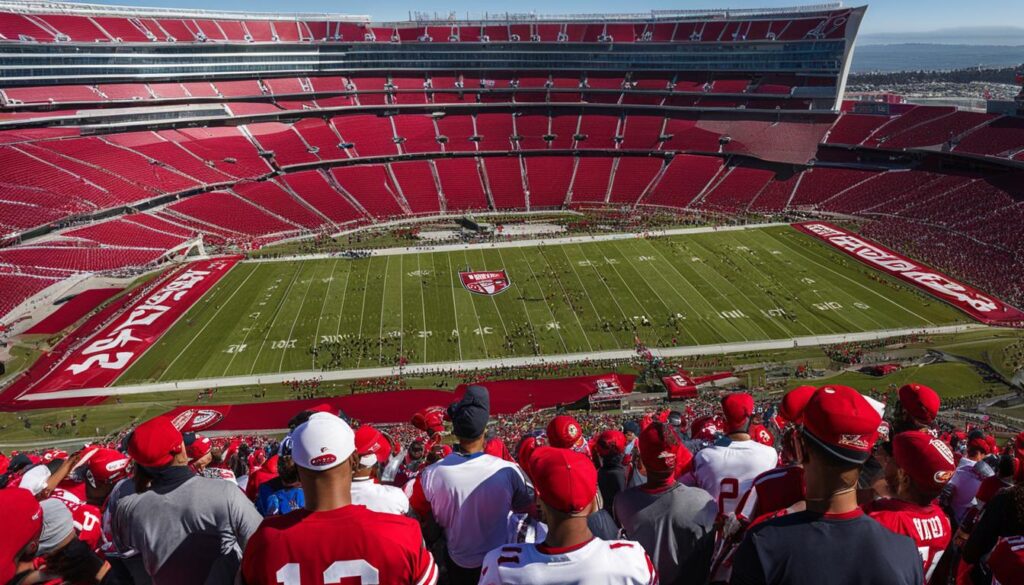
(323,442)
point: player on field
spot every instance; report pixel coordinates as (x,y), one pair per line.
(570,554)
(470,493)
(728,468)
(919,468)
(332,539)
(832,541)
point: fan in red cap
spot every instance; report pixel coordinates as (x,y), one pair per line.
(610,446)
(918,407)
(566,483)
(104,469)
(23,522)
(666,517)
(706,428)
(793,403)
(727,469)
(920,467)
(839,431)
(430,419)
(366,491)
(970,473)
(565,433)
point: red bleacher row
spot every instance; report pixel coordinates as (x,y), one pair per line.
(46,28)
(328,200)
(672,89)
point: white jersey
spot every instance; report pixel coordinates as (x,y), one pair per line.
(471,497)
(379,498)
(964,483)
(598,562)
(727,469)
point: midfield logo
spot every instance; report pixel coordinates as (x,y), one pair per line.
(485,283)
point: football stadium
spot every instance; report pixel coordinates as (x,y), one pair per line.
(501,298)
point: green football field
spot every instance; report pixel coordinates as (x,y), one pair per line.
(694,289)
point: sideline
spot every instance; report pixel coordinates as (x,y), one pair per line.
(421,369)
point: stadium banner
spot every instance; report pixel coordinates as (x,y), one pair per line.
(981,306)
(485,283)
(110,352)
(679,387)
(509,396)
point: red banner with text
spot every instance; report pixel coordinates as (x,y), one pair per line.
(977,304)
(110,352)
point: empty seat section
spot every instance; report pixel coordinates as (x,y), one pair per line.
(13,26)
(19,288)
(17,214)
(319,135)
(457,130)
(686,135)
(241,88)
(642,132)
(775,195)
(286,145)
(913,117)
(460,184)
(416,180)
(683,180)
(259,30)
(371,135)
(598,131)
(171,154)
(737,190)
(223,148)
(200,89)
(1003,136)
(938,132)
(225,210)
(495,131)
(125,91)
(118,232)
(123,29)
(314,189)
(531,130)
(161,225)
(286,31)
(232,29)
(56,94)
(408,90)
(369,185)
(328,84)
(271,197)
(854,128)
(417,133)
(505,178)
(632,177)
(590,183)
(115,190)
(78,259)
(79,28)
(820,183)
(564,130)
(175,29)
(284,86)
(168,90)
(548,178)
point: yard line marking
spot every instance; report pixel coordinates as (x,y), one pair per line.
(753,306)
(401,302)
(633,267)
(423,305)
(529,319)
(455,308)
(472,302)
(696,292)
(844,277)
(494,301)
(212,319)
(362,310)
(323,305)
(344,295)
(643,308)
(565,295)
(600,278)
(380,331)
(547,305)
(277,311)
(284,350)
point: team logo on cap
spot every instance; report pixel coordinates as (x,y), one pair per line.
(943,450)
(573,431)
(942,476)
(853,441)
(321,460)
(194,419)
(485,283)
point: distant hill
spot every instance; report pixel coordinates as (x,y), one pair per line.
(933,56)
(976,35)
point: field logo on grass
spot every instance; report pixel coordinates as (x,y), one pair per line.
(485,283)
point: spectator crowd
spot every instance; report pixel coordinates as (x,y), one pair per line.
(825,485)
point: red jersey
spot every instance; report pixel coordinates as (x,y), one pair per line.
(927,525)
(773,490)
(1007,561)
(350,545)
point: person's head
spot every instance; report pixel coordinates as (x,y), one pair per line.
(675,418)
(565,433)
(978,446)
(416,450)
(794,402)
(738,410)
(923,465)
(839,432)
(156,444)
(286,468)
(324,451)
(663,454)
(104,469)
(469,418)
(368,444)
(23,523)
(566,485)
(199,449)
(917,408)
(631,430)
(58,527)
(611,445)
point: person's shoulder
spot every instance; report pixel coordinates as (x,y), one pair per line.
(373,521)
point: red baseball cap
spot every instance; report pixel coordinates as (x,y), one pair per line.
(927,460)
(981,444)
(199,447)
(430,419)
(760,434)
(565,433)
(24,522)
(737,408)
(106,466)
(368,444)
(842,422)
(611,442)
(565,480)
(920,402)
(155,443)
(526,449)
(661,449)
(706,427)
(794,402)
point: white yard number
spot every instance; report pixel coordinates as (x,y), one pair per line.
(367,573)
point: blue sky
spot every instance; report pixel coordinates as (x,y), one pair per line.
(883,15)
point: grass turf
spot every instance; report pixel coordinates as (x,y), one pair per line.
(695,289)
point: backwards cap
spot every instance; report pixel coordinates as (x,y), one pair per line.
(23,520)
(155,443)
(564,432)
(737,407)
(920,402)
(794,402)
(927,460)
(322,442)
(106,466)
(565,480)
(842,423)
(368,442)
